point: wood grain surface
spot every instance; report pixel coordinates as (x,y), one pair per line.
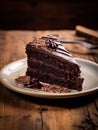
(21,112)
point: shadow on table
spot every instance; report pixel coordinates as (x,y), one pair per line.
(67,102)
(13,98)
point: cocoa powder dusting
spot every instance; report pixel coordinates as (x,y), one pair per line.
(34,83)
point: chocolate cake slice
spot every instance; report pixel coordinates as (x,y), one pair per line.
(50,62)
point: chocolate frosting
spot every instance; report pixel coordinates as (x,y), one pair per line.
(57,48)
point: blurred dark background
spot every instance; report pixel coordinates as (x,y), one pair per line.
(48,14)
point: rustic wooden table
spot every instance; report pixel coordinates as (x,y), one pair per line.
(21,112)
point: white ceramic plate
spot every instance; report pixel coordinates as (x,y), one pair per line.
(13,70)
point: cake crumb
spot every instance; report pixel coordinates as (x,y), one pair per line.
(28,82)
(34,83)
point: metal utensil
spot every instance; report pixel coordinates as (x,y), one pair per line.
(86,44)
(63,40)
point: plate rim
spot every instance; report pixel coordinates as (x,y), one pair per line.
(43,94)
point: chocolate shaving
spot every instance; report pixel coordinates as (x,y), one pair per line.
(50,42)
(34,83)
(28,82)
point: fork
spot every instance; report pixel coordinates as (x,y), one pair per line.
(86,44)
(63,40)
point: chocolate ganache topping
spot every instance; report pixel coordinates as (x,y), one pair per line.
(57,48)
(54,44)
